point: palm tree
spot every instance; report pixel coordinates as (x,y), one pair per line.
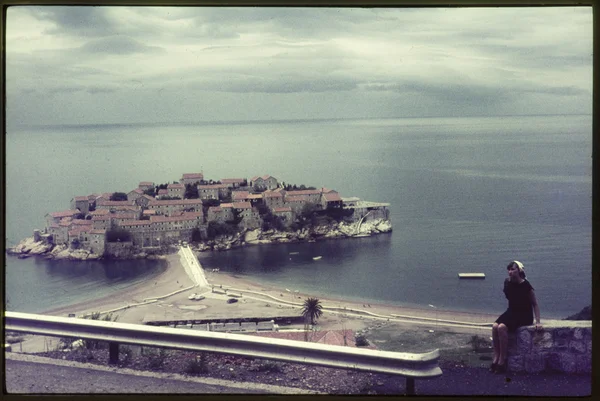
(312,310)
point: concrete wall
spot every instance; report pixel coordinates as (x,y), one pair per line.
(563,346)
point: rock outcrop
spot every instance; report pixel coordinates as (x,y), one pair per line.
(29,246)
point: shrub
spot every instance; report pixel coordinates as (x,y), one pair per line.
(361,340)
(118,196)
(156,358)
(95,344)
(197,365)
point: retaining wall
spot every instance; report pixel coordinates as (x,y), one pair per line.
(563,346)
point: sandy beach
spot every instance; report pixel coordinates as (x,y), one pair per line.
(165,298)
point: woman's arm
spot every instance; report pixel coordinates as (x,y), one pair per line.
(536,308)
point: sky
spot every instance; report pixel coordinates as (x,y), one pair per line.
(100,65)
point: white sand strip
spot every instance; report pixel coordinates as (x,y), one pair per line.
(192,267)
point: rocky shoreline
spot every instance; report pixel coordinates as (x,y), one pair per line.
(29,247)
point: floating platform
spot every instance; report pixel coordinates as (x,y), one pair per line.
(471,275)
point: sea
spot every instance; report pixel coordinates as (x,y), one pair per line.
(466,194)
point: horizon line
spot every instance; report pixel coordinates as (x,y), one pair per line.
(275,121)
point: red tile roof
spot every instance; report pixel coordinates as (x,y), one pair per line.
(81,222)
(272,194)
(65,213)
(298,198)
(136,223)
(157,202)
(240,195)
(212,186)
(115,203)
(282,209)
(175,186)
(98,231)
(304,192)
(146,183)
(100,212)
(149,211)
(193,175)
(214,209)
(242,205)
(232,180)
(264,177)
(81,198)
(332,197)
(185,217)
(137,191)
(226,205)
(101,217)
(163,191)
(255,196)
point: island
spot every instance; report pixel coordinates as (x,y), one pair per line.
(151,220)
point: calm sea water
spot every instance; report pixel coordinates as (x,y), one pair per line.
(466,194)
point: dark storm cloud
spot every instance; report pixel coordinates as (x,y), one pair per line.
(118,45)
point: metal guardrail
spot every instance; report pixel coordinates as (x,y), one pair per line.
(409,365)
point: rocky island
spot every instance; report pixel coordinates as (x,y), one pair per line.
(151,220)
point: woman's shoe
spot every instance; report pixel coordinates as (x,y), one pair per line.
(493,367)
(501,368)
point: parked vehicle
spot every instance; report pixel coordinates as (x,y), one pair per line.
(232,300)
(193,296)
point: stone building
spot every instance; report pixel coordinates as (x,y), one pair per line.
(133,195)
(176,190)
(191,178)
(175,206)
(264,182)
(273,199)
(213,191)
(146,185)
(56,217)
(82,203)
(233,182)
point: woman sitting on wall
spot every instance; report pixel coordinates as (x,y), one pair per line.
(521,306)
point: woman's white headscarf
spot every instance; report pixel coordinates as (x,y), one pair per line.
(520,266)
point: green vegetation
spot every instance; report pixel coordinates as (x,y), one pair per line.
(150,192)
(197,365)
(294,187)
(156,357)
(191,192)
(361,340)
(95,344)
(118,196)
(215,229)
(312,310)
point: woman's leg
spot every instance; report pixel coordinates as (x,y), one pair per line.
(495,343)
(503,337)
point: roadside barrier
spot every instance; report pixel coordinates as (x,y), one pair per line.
(411,366)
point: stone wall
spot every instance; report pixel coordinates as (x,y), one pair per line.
(563,346)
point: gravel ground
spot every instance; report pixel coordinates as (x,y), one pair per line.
(459,378)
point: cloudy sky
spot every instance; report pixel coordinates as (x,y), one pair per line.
(87,65)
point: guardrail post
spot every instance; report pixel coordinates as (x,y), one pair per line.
(410,386)
(113,353)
